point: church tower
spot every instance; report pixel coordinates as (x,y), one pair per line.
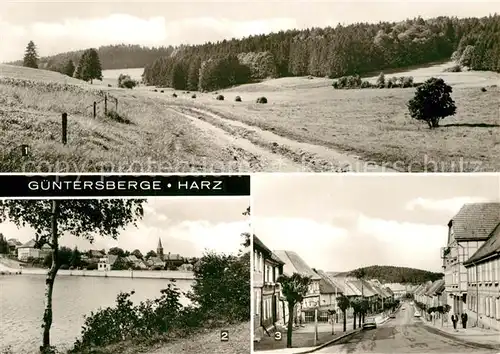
(159,249)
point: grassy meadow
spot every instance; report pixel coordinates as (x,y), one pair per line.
(374,124)
(305,125)
(31,104)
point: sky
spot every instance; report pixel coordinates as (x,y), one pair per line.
(57,26)
(187,226)
(343,222)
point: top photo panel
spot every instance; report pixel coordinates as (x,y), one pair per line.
(250,86)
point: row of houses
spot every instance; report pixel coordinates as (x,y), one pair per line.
(471,263)
(431,294)
(270,309)
(104,262)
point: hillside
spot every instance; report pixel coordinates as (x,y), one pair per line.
(112,57)
(331,52)
(393,274)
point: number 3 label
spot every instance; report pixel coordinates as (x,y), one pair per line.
(277,336)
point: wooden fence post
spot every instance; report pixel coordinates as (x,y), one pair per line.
(116,105)
(105,104)
(95,109)
(64,128)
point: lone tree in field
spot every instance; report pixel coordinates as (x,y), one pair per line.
(50,219)
(89,67)
(69,68)
(30,56)
(295,289)
(432,102)
(344,304)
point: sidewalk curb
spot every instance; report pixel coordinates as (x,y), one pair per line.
(463,341)
(330,342)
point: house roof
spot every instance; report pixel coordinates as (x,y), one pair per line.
(435,288)
(259,245)
(395,287)
(96,253)
(363,287)
(388,291)
(112,258)
(380,289)
(155,260)
(172,257)
(489,248)
(46,246)
(13,242)
(295,264)
(276,259)
(326,285)
(339,283)
(349,289)
(424,288)
(476,221)
(29,244)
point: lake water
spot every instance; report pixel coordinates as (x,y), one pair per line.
(22,304)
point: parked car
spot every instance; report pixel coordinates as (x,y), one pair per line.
(370,323)
(417,314)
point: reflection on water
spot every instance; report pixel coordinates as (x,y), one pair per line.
(21,305)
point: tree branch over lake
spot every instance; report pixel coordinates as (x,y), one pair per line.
(81,218)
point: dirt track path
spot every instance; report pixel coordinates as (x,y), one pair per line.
(270,152)
(247,156)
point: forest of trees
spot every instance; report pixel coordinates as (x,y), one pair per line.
(112,57)
(356,49)
(332,52)
(392,274)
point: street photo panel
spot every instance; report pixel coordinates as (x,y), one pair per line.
(376,263)
(249,86)
(125,275)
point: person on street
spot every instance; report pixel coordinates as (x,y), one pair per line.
(464,320)
(454,319)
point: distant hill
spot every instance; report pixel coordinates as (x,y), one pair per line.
(393,274)
(112,57)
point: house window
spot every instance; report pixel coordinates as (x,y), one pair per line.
(497,308)
(255,260)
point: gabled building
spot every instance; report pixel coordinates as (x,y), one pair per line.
(421,291)
(107,262)
(135,262)
(13,244)
(328,294)
(390,293)
(269,308)
(434,295)
(96,254)
(155,263)
(28,251)
(399,290)
(468,230)
(173,260)
(186,267)
(295,264)
(483,278)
